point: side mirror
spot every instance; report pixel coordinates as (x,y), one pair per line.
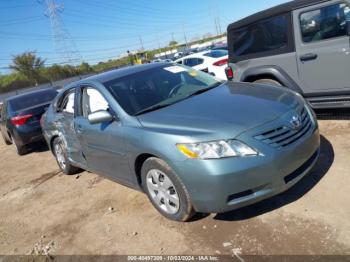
(348,27)
(100,117)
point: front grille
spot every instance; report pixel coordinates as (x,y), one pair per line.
(284,136)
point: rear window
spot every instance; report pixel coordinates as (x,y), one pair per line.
(263,36)
(32,99)
(216,53)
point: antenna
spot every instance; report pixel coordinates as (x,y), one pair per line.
(64,44)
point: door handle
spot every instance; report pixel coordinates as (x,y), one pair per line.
(308,57)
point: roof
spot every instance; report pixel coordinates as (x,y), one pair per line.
(277,10)
(122,72)
(198,54)
(30,93)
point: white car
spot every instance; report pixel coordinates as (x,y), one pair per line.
(213,62)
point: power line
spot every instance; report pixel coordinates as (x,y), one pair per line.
(64,43)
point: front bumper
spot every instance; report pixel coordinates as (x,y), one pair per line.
(217,186)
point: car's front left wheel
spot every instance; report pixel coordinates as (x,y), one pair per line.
(59,150)
(165,190)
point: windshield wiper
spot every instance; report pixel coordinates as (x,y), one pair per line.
(162,105)
(152,108)
(201,91)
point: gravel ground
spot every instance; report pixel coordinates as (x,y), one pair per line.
(43,211)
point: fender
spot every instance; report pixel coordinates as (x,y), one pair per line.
(274,71)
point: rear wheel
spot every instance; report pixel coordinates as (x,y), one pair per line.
(63,162)
(165,190)
(7,142)
(268,81)
(21,150)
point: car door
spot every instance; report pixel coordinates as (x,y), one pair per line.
(103,144)
(64,123)
(323,47)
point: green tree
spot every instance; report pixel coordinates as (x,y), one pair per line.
(85,68)
(29,65)
(173,43)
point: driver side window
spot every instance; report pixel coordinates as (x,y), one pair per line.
(93,101)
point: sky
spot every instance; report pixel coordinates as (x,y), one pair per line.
(103,29)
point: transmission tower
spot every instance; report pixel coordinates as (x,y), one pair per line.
(64,44)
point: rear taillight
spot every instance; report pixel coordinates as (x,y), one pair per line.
(20,120)
(229,73)
(221,62)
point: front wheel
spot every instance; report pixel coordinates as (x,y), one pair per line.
(166,191)
(63,162)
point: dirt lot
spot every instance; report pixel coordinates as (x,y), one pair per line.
(39,206)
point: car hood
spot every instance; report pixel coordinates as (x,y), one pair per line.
(224,112)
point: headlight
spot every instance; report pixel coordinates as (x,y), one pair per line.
(216,149)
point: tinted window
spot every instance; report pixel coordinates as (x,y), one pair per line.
(216,53)
(193,61)
(264,36)
(158,86)
(325,23)
(32,99)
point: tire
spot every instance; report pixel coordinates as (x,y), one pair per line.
(268,81)
(7,142)
(21,150)
(60,154)
(166,191)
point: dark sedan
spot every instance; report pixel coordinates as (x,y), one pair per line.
(20,118)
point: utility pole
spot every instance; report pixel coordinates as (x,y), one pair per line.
(141,42)
(172,37)
(183,29)
(64,44)
(216,26)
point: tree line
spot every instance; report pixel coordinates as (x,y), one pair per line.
(28,69)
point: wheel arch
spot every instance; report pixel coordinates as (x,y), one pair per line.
(138,163)
(272,72)
(51,143)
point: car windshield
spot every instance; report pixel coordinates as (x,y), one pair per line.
(32,99)
(159,87)
(216,53)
